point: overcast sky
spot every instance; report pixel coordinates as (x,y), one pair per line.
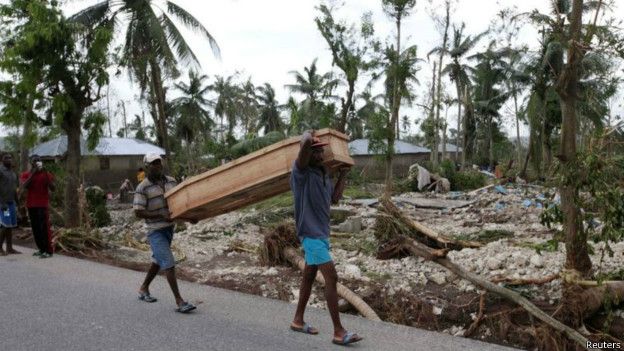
(268,39)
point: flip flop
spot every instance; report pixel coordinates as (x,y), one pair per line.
(306,329)
(145,296)
(185,308)
(348,338)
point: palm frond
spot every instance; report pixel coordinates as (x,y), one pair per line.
(157,41)
(92,16)
(184,51)
(192,23)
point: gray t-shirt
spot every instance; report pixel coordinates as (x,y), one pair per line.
(151,197)
(312,190)
(8,185)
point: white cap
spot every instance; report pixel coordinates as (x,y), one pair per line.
(149,158)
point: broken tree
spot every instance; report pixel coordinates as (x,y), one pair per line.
(394,241)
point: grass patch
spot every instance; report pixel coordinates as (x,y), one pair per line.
(486,236)
(281,200)
(357,192)
(547,246)
(269,217)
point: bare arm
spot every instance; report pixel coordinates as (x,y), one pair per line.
(340,185)
(305,151)
(28,181)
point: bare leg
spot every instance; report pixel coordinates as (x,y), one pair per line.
(2,236)
(9,241)
(309,273)
(151,274)
(173,284)
(331,295)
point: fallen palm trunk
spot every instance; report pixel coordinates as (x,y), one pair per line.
(365,310)
(422,233)
(280,247)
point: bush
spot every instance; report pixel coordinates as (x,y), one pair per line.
(447,169)
(467,180)
(245,147)
(96,200)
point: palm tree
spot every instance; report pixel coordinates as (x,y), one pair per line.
(516,80)
(397,10)
(458,72)
(191,109)
(361,122)
(153,44)
(295,124)
(248,107)
(488,97)
(226,104)
(270,118)
(442,51)
(400,69)
(315,87)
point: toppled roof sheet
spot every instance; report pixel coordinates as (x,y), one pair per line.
(106,147)
(360,147)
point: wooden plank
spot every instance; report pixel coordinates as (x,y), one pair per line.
(249,179)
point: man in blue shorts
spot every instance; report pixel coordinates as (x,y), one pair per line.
(8,204)
(150,204)
(313,194)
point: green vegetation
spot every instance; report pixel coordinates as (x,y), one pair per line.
(96,201)
(551,245)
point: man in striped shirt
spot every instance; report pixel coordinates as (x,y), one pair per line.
(150,204)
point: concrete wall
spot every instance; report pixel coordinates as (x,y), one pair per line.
(373,168)
(110,172)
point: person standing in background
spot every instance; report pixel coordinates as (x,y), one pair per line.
(8,204)
(38,183)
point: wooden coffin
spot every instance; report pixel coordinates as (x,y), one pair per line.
(249,179)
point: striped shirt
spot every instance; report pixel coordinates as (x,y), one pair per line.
(150,196)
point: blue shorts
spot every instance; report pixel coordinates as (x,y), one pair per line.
(8,218)
(160,242)
(316,251)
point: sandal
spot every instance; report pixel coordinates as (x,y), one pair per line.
(306,329)
(185,307)
(145,296)
(348,338)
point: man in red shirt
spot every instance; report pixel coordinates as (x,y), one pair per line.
(38,182)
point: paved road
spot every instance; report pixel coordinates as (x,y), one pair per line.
(70,304)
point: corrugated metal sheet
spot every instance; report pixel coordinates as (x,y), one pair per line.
(106,147)
(360,147)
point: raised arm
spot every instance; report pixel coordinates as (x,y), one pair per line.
(340,185)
